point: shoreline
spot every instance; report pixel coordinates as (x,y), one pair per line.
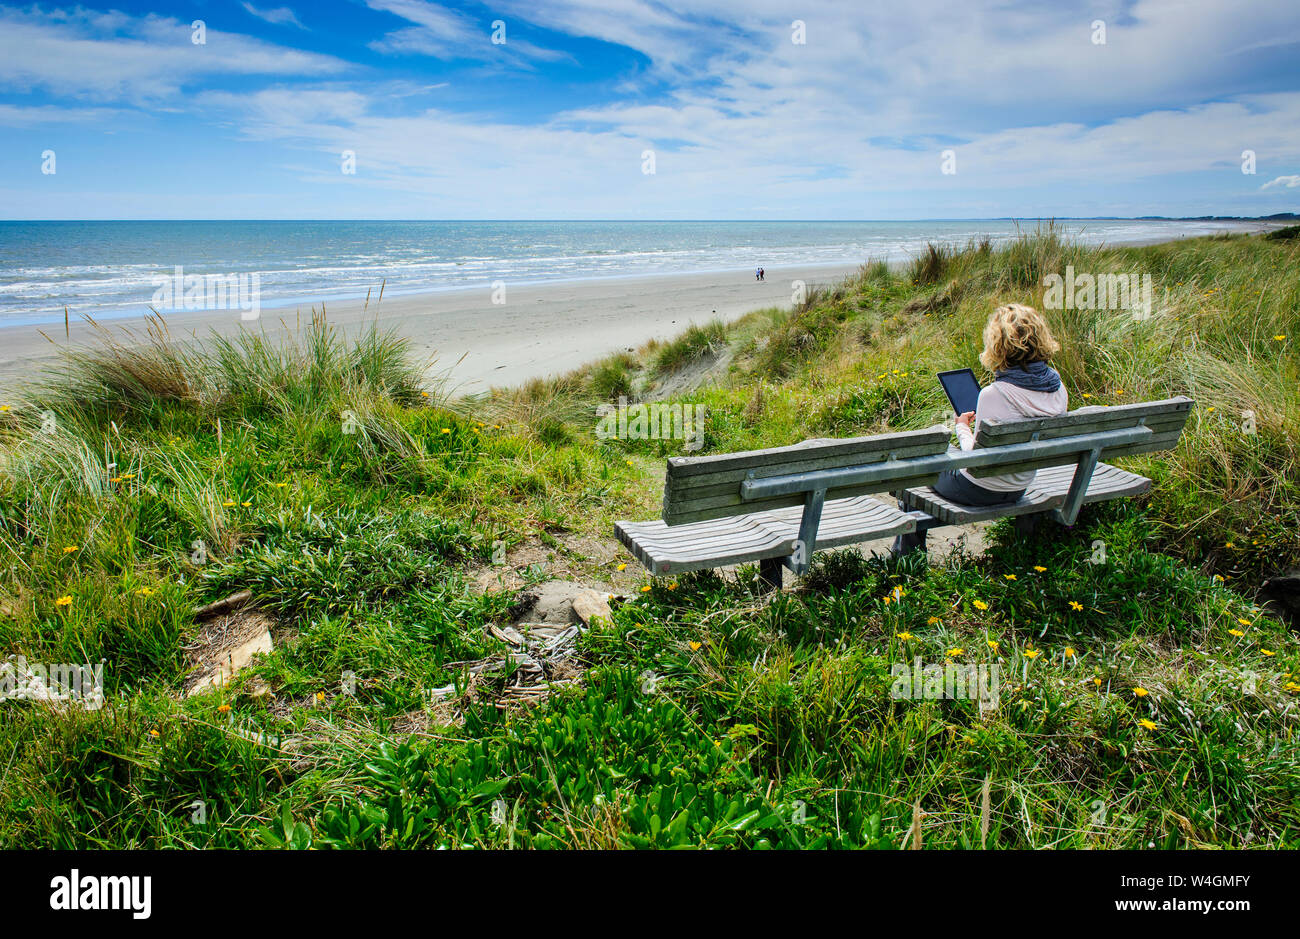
(476,343)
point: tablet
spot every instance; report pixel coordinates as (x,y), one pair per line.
(962,388)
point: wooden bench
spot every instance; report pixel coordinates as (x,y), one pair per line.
(778,506)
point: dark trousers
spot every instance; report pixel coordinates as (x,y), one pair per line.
(954,487)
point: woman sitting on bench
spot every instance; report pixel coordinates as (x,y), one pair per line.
(1017,348)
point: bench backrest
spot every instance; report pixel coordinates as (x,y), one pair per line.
(1165,418)
(697,488)
(703,487)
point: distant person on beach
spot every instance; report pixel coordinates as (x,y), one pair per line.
(1017,347)
(758,273)
(762,274)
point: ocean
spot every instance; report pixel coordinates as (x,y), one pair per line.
(111,269)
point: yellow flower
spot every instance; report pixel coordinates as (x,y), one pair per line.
(1076,605)
(70,548)
(145,592)
(980,605)
(1280,337)
(1097,682)
(280,485)
(957,651)
(1086,395)
(1039,568)
(932,621)
(645,589)
(1069,652)
(116,479)
(1119,391)
(1268,652)
(154,733)
(695,646)
(63,601)
(673,585)
(1227,544)
(1140,692)
(993,644)
(228,503)
(1244,622)
(1235,632)
(622,567)
(1031,653)
(904,635)
(225,708)
(320,696)
(245,504)
(1210,409)
(424,394)
(4,409)
(1148,724)
(1009,576)
(446,430)
(128,476)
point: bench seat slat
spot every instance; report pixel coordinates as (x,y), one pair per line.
(1046,493)
(757,536)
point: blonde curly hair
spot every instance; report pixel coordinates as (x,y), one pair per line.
(1016,335)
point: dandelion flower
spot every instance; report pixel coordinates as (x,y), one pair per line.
(980,605)
(956,652)
(446,430)
(695,646)
(228,504)
(645,589)
(1148,724)
(1097,682)
(673,585)
(245,504)
(320,696)
(993,644)
(70,548)
(1244,622)
(225,708)
(1031,653)
(145,592)
(280,485)
(63,601)
(622,567)
(1009,576)
(1076,605)
(932,621)
(1141,692)
(154,733)
(1280,337)
(1039,568)
(1268,652)
(1069,652)
(904,635)
(1235,632)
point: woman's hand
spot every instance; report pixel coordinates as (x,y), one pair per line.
(968,418)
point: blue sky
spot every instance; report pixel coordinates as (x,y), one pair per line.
(743,121)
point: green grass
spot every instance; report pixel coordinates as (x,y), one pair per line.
(1144,701)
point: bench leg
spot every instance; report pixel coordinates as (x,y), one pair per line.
(915,540)
(1026,525)
(770,572)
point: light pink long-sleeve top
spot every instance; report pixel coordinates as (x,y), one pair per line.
(1003,401)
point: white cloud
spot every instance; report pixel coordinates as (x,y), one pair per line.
(280,16)
(1283,182)
(443,34)
(111,56)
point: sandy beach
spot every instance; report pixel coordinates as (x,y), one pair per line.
(540,330)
